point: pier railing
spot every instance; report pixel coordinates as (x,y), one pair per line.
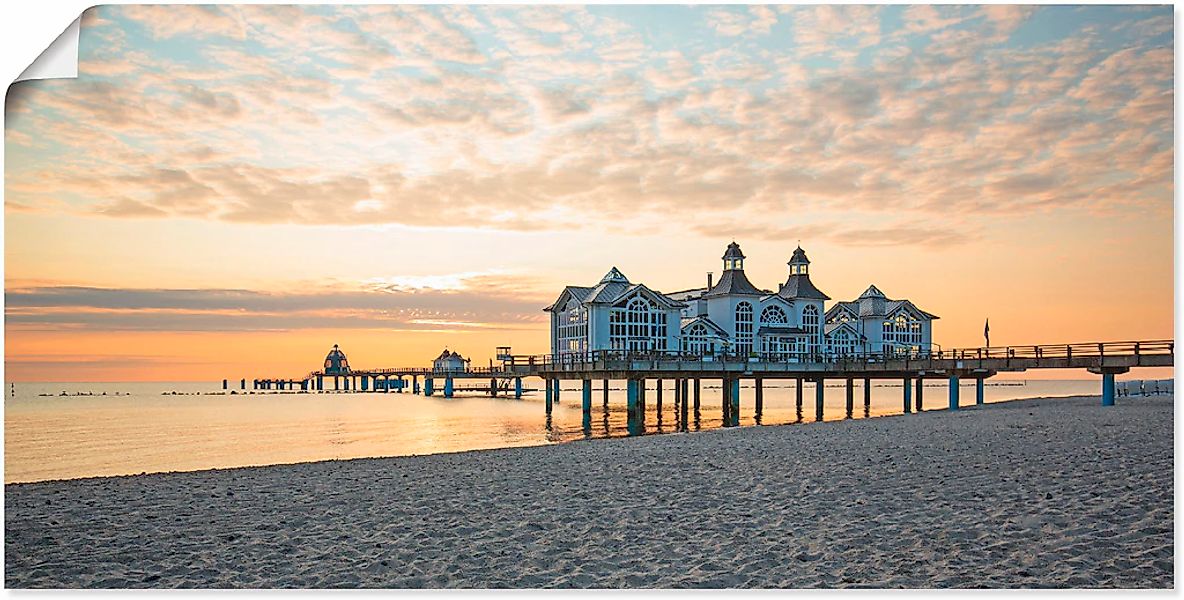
(1083,355)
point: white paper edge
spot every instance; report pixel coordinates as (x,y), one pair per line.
(59,60)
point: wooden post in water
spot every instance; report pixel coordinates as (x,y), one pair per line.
(586,404)
(953,392)
(448,387)
(696,395)
(979,391)
(920,393)
(867,394)
(225,383)
(556,392)
(606,394)
(819,392)
(725,402)
(517,388)
(908,395)
(850,397)
(760,395)
(633,392)
(798,393)
(685,402)
(429,384)
(659,398)
(550,393)
(734,402)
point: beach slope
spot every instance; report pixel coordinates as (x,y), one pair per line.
(1036,493)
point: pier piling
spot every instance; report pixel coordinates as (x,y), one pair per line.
(759,392)
(920,393)
(979,391)
(819,392)
(954,392)
(850,397)
(907,386)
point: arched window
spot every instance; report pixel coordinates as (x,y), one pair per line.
(773,315)
(696,340)
(810,324)
(743,329)
(638,326)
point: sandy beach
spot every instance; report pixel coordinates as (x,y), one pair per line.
(1034,493)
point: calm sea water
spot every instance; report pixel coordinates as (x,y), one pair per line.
(155,427)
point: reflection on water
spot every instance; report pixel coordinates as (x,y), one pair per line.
(141,430)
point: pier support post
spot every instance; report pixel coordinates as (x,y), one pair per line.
(428,386)
(1108,374)
(365,383)
(867,394)
(348,381)
(556,391)
(819,391)
(658,387)
(448,387)
(798,394)
(402,384)
(415,384)
(586,401)
(678,399)
(953,392)
(759,392)
(850,397)
(683,413)
(979,392)
(493,387)
(633,391)
(550,393)
(517,388)
(908,395)
(336,383)
(731,401)
(605,387)
(320,383)
(696,396)
(242,384)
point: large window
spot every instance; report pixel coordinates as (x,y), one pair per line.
(743,329)
(844,343)
(810,324)
(902,332)
(697,340)
(573,329)
(638,326)
(773,315)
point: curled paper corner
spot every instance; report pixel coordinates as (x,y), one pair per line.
(59,60)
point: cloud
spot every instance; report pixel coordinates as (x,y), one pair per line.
(473,301)
(553,118)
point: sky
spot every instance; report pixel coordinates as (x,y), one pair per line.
(228,191)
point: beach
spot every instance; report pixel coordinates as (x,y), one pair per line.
(1035,493)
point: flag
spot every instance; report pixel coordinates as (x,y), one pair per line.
(987,332)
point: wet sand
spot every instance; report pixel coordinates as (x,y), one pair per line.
(1035,493)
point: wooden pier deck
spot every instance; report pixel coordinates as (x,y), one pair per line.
(1106,359)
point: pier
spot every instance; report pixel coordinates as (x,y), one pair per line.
(688,372)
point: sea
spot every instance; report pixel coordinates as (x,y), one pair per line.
(75,430)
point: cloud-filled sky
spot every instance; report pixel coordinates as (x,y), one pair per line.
(409,177)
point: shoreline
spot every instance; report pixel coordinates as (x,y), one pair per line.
(1033,493)
(539,445)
